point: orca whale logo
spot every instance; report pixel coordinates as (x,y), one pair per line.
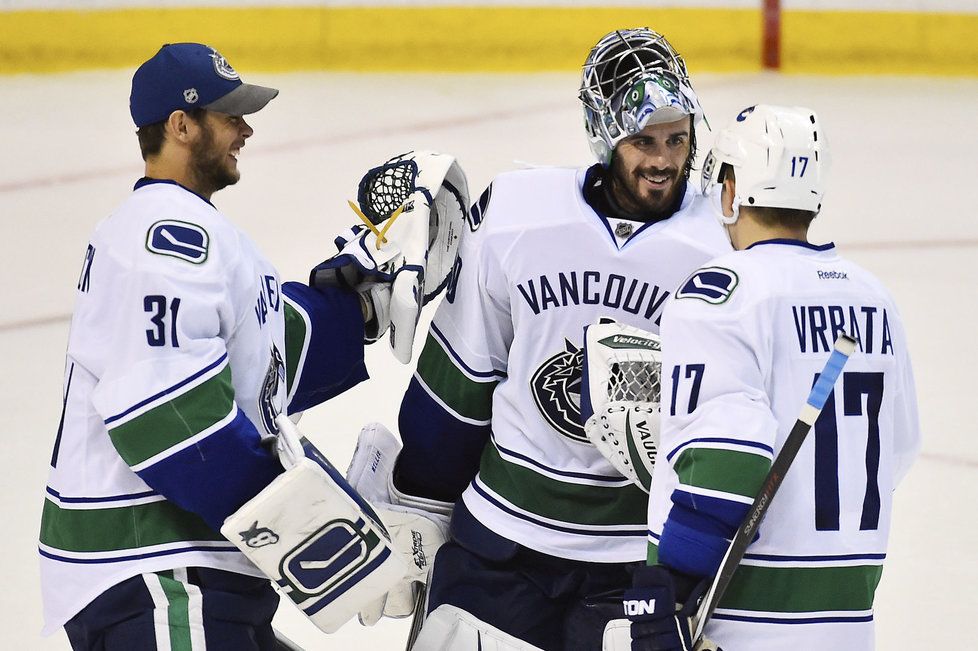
(556,388)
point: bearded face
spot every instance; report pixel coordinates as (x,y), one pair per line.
(213,155)
(647,168)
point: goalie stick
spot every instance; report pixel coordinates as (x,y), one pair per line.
(420,606)
(844,347)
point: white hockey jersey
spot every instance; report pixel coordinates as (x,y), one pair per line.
(177,364)
(742,344)
(498,382)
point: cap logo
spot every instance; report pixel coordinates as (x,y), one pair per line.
(190,96)
(222,67)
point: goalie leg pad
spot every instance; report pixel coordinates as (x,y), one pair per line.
(309,533)
(617,636)
(449,628)
(418,526)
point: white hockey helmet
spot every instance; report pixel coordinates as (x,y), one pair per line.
(779,156)
(632,78)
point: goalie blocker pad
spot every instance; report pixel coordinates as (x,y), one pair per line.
(620,397)
(321,543)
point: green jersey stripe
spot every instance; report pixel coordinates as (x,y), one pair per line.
(122,528)
(296,341)
(802,589)
(176,420)
(727,471)
(464,395)
(178,613)
(767,589)
(563,501)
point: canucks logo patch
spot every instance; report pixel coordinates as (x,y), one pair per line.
(556,388)
(178,239)
(326,560)
(711,284)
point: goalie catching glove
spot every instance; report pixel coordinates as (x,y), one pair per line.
(321,544)
(620,397)
(416,206)
(418,526)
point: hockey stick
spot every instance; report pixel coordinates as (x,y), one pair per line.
(420,606)
(844,347)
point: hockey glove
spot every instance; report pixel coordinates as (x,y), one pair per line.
(323,546)
(418,526)
(658,623)
(415,206)
(620,397)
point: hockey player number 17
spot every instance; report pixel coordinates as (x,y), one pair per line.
(694,372)
(854,387)
(799,164)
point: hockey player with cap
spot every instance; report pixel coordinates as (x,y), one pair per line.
(742,343)
(543,529)
(178,486)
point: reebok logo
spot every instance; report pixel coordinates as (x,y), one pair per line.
(635,607)
(833,275)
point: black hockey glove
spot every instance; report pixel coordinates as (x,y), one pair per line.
(659,623)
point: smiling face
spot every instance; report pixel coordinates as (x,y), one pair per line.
(647,167)
(214,153)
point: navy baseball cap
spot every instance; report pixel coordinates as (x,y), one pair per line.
(183,76)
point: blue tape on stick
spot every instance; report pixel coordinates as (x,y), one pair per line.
(827,378)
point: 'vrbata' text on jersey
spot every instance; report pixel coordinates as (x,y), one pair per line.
(594,288)
(818,326)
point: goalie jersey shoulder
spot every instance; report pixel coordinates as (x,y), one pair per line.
(525,198)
